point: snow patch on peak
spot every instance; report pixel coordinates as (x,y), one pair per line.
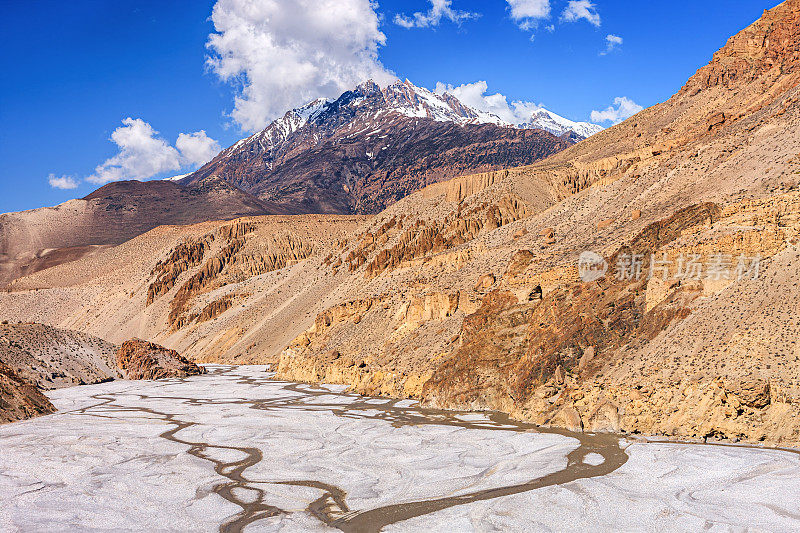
(558,125)
(312,109)
(414,101)
(369,101)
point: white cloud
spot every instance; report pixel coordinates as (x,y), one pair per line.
(439,9)
(622,108)
(528,13)
(143,155)
(196,148)
(613,42)
(284,53)
(63,182)
(581,9)
(474,95)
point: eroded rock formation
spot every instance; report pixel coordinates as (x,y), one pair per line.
(140,359)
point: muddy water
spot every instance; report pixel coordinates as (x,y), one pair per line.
(331,508)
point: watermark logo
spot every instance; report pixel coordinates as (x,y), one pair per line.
(633,267)
(591,266)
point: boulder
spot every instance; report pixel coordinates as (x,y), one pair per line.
(569,419)
(139,359)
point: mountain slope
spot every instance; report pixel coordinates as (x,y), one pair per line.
(33,240)
(52,358)
(497,317)
(371,147)
(468,293)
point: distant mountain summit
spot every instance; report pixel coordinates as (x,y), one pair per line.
(372,146)
(558,125)
(408,100)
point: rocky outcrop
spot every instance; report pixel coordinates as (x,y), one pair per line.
(198,282)
(461,187)
(769,44)
(425,238)
(216,308)
(183,257)
(139,359)
(20,400)
(239,255)
(432,306)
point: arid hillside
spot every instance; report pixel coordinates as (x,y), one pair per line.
(51,358)
(34,357)
(37,357)
(468,293)
(213,291)
(40,238)
(19,399)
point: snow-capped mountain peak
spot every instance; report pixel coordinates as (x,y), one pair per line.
(558,125)
(418,102)
(280,129)
(370,105)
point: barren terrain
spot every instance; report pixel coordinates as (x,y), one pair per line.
(466,294)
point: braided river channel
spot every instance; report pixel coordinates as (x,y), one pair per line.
(234,450)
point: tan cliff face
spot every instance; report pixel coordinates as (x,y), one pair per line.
(467,293)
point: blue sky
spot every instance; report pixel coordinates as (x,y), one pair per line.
(74,70)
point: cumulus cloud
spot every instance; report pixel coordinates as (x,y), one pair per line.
(439,9)
(581,9)
(474,95)
(62,182)
(282,54)
(622,108)
(196,148)
(142,154)
(613,42)
(528,13)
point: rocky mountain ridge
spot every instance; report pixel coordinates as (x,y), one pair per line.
(372,146)
(403,98)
